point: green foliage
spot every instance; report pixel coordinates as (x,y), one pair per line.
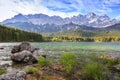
(69,61)
(2,71)
(33,71)
(84,39)
(43,62)
(47,78)
(8,34)
(119,60)
(93,70)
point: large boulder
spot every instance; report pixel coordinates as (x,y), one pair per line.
(26,53)
(24,56)
(20,75)
(23,46)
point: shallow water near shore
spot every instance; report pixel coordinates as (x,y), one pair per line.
(60,47)
(80,47)
(53,49)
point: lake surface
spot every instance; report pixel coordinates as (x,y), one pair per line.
(80,47)
(105,46)
(52,48)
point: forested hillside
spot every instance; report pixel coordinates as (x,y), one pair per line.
(8,34)
(108,34)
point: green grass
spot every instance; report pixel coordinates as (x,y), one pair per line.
(88,55)
(69,61)
(33,71)
(43,62)
(47,78)
(2,71)
(93,71)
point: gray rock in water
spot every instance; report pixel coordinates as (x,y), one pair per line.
(13,76)
(38,53)
(5,64)
(24,56)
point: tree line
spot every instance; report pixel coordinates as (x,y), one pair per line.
(8,34)
(83,39)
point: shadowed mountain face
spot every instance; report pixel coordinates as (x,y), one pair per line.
(44,23)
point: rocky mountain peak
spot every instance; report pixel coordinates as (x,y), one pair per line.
(90,19)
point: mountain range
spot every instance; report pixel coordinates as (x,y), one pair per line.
(43,23)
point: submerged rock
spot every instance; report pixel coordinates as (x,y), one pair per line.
(5,64)
(38,53)
(109,57)
(116,68)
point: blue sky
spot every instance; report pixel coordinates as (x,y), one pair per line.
(63,8)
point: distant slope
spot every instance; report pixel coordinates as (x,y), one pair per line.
(8,34)
(112,31)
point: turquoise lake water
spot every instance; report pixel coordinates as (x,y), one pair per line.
(75,47)
(53,49)
(115,46)
(81,47)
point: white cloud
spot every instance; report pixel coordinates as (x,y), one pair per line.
(117,17)
(112,2)
(9,8)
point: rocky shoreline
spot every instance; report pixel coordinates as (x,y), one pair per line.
(26,57)
(21,54)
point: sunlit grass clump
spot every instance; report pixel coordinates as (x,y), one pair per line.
(44,62)
(69,61)
(93,71)
(33,71)
(47,78)
(2,71)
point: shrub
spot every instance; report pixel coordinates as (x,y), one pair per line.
(2,71)
(93,70)
(44,62)
(33,71)
(69,61)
